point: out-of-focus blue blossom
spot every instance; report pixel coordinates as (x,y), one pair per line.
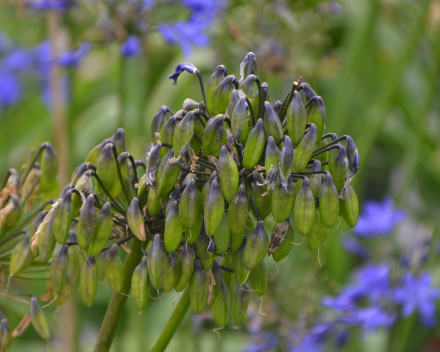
(73,57)
(351,244)
(417,293)
(10,89)
(131,47)
(378,218)
(184,66)
(368,318)
(44,5)
(46,95)
(308,344)
(187,33)
(263,343)
(42,58)
(16,60)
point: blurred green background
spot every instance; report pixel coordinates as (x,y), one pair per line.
(374,62)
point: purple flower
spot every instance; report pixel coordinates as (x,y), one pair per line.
(184,66)
(49,4)
(131,47)
(378,218)
(417,293)
(368,318)
(16,60)
(351,244)
(73,57)
(10,89)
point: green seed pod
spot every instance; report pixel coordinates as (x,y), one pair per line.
(237,216)
(21,257)
(240,271)
(255,146)
(193,233)
(103,231)
(283,199)
(338,168)
(190,104)
(272,124)
(183,133)
(62,218)
(166,175)
(258,278)
(10,214)
(223,234)
(304,150)
(309,93)
(248,66)
(38,320)
(284,248)
(76,255)
(228,175)
(221,96)
(95,153)
(157,263)
(29,185)
(304,208)
(142,190)
(272,154)
(190,205)
(100,266)
(114,269)
(287,157)
(318,233)
(135,220)
(106,169)
(247,86)
(86,223)
(58,269)
(185,267)
(316,180)
(219,75)
(352,155)
(256,247)
(118,140)
(214,209)
(64,294)
(218,277)
(328,202)
(198,288)
(214,136)
(49,169)
(263,202)
(296,118)
(206,258)
(349,207)
(228,277)
(235,97)
(173,229)
(239,301)
(171,279)
(207,187)
(155,203)
(5,335)
(46,241)
(140,285)
(317,116)
(220,308)
(84,185)
(322,157)
(159,120)
(239,122)
(167,134)
(88,281)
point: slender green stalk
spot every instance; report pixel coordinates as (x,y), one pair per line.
(173,323)
(117,302)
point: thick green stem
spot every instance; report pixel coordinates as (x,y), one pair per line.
(173,323)
(117,302)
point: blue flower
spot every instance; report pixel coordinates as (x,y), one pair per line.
(73,57)
(368,318)
(378,218)
(131,47)
(417,293)
(308,344)
(263,343)
(17,60)
(184,66)
(10,89)
(351,244)
(49,4)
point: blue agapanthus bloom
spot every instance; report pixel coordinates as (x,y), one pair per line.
(10,88)
(44,5)
(368,318)
(73,57)
(378,218)
(417,293)
(351,244)
(184,66)
(131,47)
(16,60)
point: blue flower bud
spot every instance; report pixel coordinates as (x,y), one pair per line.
(248,66)
(184,66)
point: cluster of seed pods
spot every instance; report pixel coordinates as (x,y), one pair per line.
(217,175)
